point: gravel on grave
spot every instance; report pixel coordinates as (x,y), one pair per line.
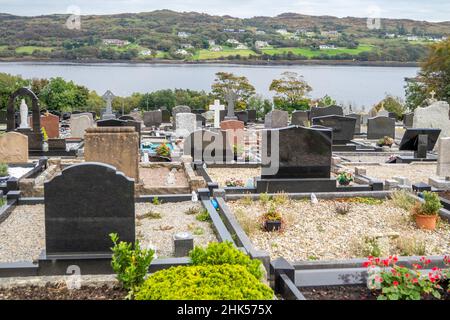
(317,232)
(22,234)
(221,175)
(414,172)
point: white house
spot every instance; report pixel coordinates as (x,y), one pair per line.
(241,47)
(233,42)
(326,47)
(115,42)
(282,31)
(216,49)
(146,53)
(183,34)
(261,44)
(212,43)
(181,52)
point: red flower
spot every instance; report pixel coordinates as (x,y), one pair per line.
(395,283)
(407,275)
(395,259)
(386,263)
(366,264)
(415,280)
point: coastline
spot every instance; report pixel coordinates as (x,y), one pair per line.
(223,62)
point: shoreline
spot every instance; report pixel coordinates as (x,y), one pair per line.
(222,62)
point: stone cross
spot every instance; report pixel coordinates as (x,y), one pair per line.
(23,115)
(433,94)
(231,99)
(108,97)
(217,107)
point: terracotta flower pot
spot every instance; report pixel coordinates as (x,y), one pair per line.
(426,222)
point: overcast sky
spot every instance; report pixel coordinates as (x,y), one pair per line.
(429,10)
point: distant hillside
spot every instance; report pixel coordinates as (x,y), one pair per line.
(191,36)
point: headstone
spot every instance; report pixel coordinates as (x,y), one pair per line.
(34,134)
(252,116)
(364,119)
(303,152)
(198,111)
(383,113)
(117,146)
(380,127)
(186,123)
(300,118)
(434,116)
(210,147)
(217,108)
(408,120)
(78,126)
(175,111)
(165,116)
(223,114)
(108,97)
(201,120)
(234,130)
(231,100)
(326,111)
(420,141)
(51,124)
(126,117)
(357,116)
(137,115)
(209,116)
(153,118)
(276,119)
(86,114)
(83,205)
(343,127)
(443,167)
(242,116)
(13,148)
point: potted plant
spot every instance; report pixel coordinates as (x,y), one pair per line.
(427,212)
(45,137)
(385,142)
(272,220)
(4,175)
(163,151)
(345,178)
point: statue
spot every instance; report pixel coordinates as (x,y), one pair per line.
(23,115)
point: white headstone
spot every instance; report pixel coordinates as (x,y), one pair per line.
(186,123)
(108,97)
(23,115)
(435,116)
(78,126)
(86,114)
(217,107)
(443,167)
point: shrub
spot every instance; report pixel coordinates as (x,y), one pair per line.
(163,150)
(156,201)
(3,169)
(432,204)
(130,264)
(204,282)
(264,198)
(203,216)
(280,198)
(386,141)
(411,246)
(192,211)
(225,253)
(248,222)
(2,201)
(403,200)
(272,214)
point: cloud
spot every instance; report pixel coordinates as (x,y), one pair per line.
(432,10)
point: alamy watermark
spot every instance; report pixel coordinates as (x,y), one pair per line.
(74,20)
(374,18)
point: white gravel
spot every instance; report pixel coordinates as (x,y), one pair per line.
(221,175)
(22,234)
(317,232)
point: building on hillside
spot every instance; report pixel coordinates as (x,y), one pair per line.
(216,49)
(181,52)
(327,47)
(233,42)
(187,46)
(183,34)
(145,52)
(228,30)
(241,47)
(330,34)
(282,31)
(115,42)
(261,44)
(212,43)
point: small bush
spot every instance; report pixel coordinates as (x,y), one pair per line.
(155,201)
(204,282)
(2,201)
(203,216)
(247,200)
(264,198)
(225,253)
(130,264)
(248,222)
(402,199)
(280,198)
(3,169)
(363,200)
(198,231)
(272,214)
(432,204)
(411,246)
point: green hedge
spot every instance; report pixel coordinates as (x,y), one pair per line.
(212,282)
(225,253)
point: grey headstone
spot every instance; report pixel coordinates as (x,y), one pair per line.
(343,127)
(357,116)
(300,118)
(153,118)
(175,111)
(276,119)
(380,127)
(326,111)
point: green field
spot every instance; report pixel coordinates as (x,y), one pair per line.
(312,53)
(30,49)
(226,52)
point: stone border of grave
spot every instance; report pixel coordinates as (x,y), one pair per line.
(288,278)
(100,263)
(366,185)
(12,187)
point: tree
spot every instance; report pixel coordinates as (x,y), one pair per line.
(326,101)
(391,104)
(9,84)
(226,82)
(433,76)
(63,95)
(290,91)
(261,105)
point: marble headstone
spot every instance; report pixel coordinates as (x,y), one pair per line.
(78,126)
(434,116)
(175,111)
(443,167)
(408,120)
(186,123)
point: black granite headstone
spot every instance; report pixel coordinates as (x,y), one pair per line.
(207,146)
(357,116)
(380,127)
(111,123)
(126,117)
(242,116)
(223,114)
(252,115)
(326,111)
(408,120)
(153,118)
(343,127)
(165,116)
(303,152)
(83,205)
(410,140)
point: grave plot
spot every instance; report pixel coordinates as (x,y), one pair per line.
(336,229)
(415,172)
(233,176)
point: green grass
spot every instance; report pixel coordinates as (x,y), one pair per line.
(312,53)
(31,49)
(226,52)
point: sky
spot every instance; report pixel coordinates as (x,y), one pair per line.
(429,10)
